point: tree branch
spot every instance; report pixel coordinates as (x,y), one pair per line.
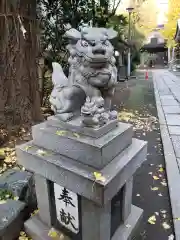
(114,5)
(115,8)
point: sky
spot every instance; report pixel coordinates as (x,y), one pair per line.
(163,8)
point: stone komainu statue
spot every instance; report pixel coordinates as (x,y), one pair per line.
(92,75)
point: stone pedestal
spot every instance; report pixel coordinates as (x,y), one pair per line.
(83,183)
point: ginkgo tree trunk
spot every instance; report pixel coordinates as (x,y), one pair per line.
(19,96)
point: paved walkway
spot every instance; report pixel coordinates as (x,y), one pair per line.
(135,102)
(167,93)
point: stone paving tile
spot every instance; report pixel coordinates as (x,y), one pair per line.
(171,109)
(177,96)
(173,119)
(174,130)
(176,144)
(11,219)
(164,91)
(167,102)
(166,97)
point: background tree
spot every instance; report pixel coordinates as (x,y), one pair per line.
(145,16)
(54,14)
(172,17)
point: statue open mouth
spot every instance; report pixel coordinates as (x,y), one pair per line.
(96,59)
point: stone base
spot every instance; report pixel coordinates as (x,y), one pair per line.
(11,219)
(21,184)
(39,231)
(128,229)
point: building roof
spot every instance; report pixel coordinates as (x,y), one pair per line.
(152,47)
(155,35)
(154,42)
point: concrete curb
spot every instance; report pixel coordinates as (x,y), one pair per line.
(172,169)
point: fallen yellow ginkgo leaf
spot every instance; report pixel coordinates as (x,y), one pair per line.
(76,135)
(166,225)
(171,237)
(152,220)
(4,219)
(2,201)
(128,226)
(161,170)
(164,184)
(23,238)
(52,233)
(163,211)
(61,133)
(41,152)
(28,147)
(99,177)
(16,198)
(35,212)
(22,233)
(155,178)
(154,188)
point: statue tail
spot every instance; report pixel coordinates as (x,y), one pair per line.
(59,79)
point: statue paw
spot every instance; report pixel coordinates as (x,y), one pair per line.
(65,117)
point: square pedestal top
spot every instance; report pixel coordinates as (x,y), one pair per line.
(79,177)
(95,152)
(75,126)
